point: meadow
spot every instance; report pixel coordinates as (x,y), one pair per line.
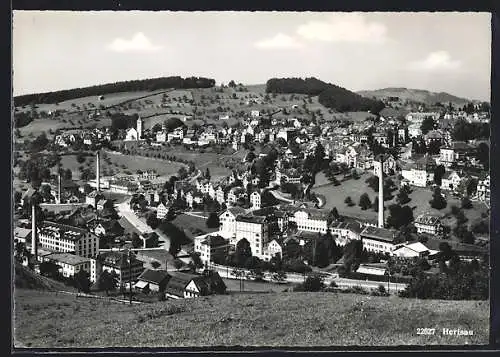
(273,320)
(420,197)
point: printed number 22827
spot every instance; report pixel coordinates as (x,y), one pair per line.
(426,331)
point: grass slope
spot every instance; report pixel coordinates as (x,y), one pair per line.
(285,319)
(417,95)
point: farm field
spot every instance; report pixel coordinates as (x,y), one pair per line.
(109,99)
(283,319)
(202,159)
(120,163)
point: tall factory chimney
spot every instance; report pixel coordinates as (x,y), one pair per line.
(59,188)
(34,247)
(379,163)
(97,175)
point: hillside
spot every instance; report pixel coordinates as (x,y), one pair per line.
(329,95)
(284,319)
(416,95)
(26,279)
(150,84)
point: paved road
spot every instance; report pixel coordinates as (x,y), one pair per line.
(124,210)
(279,197)
(226,272)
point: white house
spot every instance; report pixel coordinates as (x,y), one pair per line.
(428,224)
(70,264)
(131,135)
(255,230)
(483,189)
(451,180)
(228,221)
(310,220)
(255,200)
(161,210)
(415,174)
(378,240)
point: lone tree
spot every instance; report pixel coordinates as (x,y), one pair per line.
(364,201)
(402,197)
(107,282)
(439,172)
(427,125)
(438,201)
(213,220)
(136,241)
(152,221)
(348,201)
(243,252)
(82,281)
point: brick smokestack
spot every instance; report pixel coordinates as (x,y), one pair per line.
(379,163)
(97,175)
(59,188)
(34,247)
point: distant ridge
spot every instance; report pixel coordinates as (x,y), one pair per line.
(149,84)
(416,95)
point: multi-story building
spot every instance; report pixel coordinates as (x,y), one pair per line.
(451,180)
(344,232)
(255,230)
(255,200)
(288,175)
(212,248)
(118,262)
(70,264)
(415,174)
(227,220)
(378,240)
(178,134)
(457,152)
(64,238)
(483,189)
(310,220)
(161,210)
(428,224)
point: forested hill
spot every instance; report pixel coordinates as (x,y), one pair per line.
(329,95)
(150,84)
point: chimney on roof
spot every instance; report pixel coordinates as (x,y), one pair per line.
(59,188)
(97,175)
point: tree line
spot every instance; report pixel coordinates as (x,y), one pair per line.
(150,84)
(329,95)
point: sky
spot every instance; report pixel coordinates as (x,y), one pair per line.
(449,52)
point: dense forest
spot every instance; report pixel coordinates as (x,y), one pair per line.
(329,95)
(127,86)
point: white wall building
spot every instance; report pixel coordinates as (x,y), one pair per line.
(63,238)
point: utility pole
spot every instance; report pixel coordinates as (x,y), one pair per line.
(130,275)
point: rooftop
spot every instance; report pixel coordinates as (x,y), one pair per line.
(154,276)
(67,258)
(65,231)
(382,234)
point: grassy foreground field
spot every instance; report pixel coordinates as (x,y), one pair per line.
(285,319)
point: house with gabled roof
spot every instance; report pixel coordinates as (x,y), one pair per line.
(451,180)
(152,280)
(184,285)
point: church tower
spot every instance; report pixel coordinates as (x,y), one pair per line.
(139,128)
